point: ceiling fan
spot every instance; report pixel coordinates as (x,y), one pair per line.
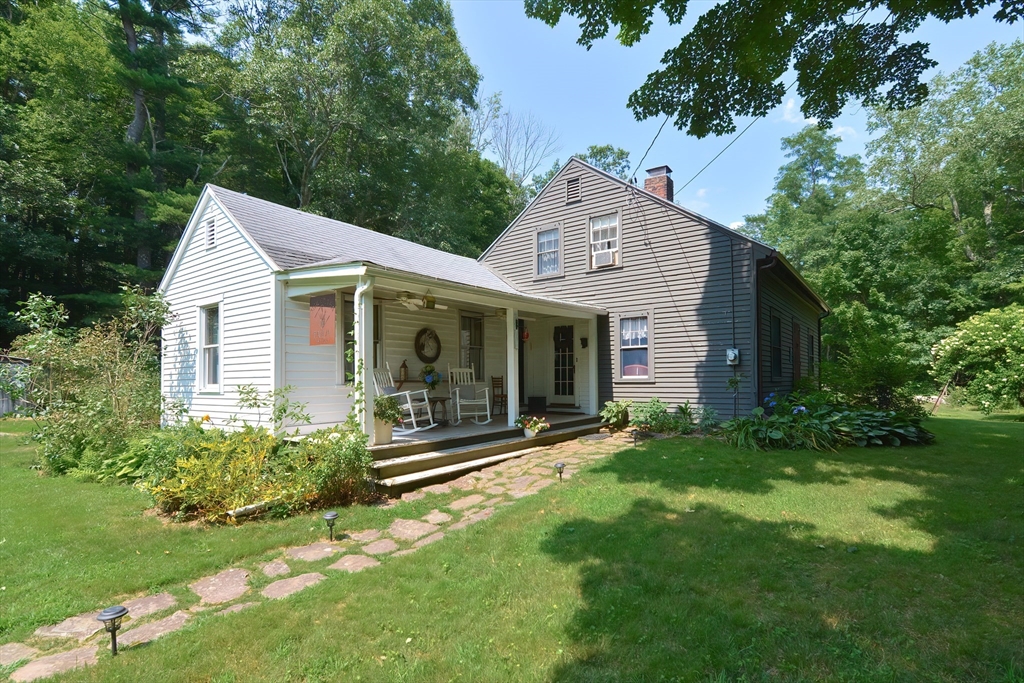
(427,301)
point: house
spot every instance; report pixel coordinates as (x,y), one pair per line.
(598,291)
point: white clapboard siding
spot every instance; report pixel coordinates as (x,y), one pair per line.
(234,272)
(312,371)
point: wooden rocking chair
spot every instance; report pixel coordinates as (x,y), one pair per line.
(412,403)
(466,396)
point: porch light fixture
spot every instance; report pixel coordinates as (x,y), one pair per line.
(560,467)
(330,518)
(429,301)
(111,618)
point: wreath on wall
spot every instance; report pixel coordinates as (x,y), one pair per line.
(428,345)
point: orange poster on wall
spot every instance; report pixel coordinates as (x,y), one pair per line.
(321,320)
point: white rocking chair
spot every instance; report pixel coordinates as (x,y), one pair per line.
(411,402)
(466,396)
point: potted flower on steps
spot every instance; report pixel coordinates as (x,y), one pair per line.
(532,426)
(386,414)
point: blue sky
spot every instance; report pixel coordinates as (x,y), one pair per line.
(582,95)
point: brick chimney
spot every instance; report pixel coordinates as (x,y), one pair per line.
(659,182)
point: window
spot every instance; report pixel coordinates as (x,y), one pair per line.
(549,260)
(634,347)
(209,340)
(604,241)
(810,354)
(211,233)
(776,347)
(472,344)
(350,339)
(573,190)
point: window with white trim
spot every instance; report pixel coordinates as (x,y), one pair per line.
(209,339)
(604,241)
(634,347)
(549,252)
(472,343)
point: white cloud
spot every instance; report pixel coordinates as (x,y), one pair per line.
(702,192)
(736,225)
(791,113)
(844,132)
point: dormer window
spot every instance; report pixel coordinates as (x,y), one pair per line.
(211,233)
(573,190)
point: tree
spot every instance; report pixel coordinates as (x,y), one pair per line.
(522,142)
(732,62)
(608,158)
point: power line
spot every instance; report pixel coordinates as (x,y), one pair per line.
(641,162)
(715,158)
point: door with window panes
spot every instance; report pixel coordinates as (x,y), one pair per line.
(565,366)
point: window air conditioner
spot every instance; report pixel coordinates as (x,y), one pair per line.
(604,258)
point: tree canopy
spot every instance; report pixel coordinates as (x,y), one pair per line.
(732,62)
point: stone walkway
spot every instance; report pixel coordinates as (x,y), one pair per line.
(499,485)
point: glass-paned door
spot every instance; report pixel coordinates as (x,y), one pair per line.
(565,365)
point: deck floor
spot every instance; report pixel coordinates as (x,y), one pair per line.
(499,423)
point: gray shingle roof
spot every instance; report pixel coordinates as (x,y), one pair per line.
(294,239)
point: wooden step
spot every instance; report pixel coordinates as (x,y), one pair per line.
(400,474)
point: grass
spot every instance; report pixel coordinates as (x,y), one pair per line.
(681,560)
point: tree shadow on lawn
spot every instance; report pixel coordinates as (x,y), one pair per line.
(700,592)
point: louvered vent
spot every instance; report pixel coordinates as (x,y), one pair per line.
(572,190)
(211,233)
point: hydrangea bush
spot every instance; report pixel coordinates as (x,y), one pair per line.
(985,356)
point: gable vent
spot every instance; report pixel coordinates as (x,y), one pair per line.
(572,190)
(211,233)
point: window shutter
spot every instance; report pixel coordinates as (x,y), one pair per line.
(572,190)
(211,233)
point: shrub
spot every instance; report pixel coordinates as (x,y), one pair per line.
(386,409)
(707,419)
(985,356)
(337,466)
(653,416)
(685,418)
(616,413)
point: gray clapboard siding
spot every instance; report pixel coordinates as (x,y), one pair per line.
(236,273)
(778,298)
(697,278)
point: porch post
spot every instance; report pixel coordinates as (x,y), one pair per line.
(592,380)
(363,334)
(512,365)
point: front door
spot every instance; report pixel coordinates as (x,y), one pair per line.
(565,366)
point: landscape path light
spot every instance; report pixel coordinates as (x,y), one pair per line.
(330,518)
(560,467)
(111,618)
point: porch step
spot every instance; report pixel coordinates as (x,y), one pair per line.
(398,450)
(404,473)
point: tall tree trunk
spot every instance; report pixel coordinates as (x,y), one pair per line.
(968,252)
(135,130)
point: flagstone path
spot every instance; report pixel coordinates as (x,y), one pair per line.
(499,485)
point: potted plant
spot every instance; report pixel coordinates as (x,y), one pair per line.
(431,376)
(532,426)
(386,414)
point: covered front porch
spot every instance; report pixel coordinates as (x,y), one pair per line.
(540,352)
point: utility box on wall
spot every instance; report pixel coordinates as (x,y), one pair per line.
(732,356)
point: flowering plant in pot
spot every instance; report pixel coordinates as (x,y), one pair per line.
(532,426)
(431,376)
(386,414)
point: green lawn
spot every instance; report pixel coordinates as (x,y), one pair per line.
(683,560)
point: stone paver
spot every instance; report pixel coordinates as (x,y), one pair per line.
(276,568)
(381,547)
(437,488)
(472,519)
(467,502)
(413,495)
(312,552)
(354,563)
(236,608)
(365,536)
(225,586)
(407,551)
(437,517)
(15,652)
(492,502)
(149,604)
(285,587)
(410,529)
(44,667)
(495,490)
(543,484)
(427,540)
(80,627)
(153,630)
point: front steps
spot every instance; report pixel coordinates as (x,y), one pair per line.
(405,467)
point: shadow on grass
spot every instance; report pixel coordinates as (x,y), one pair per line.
(679,591)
